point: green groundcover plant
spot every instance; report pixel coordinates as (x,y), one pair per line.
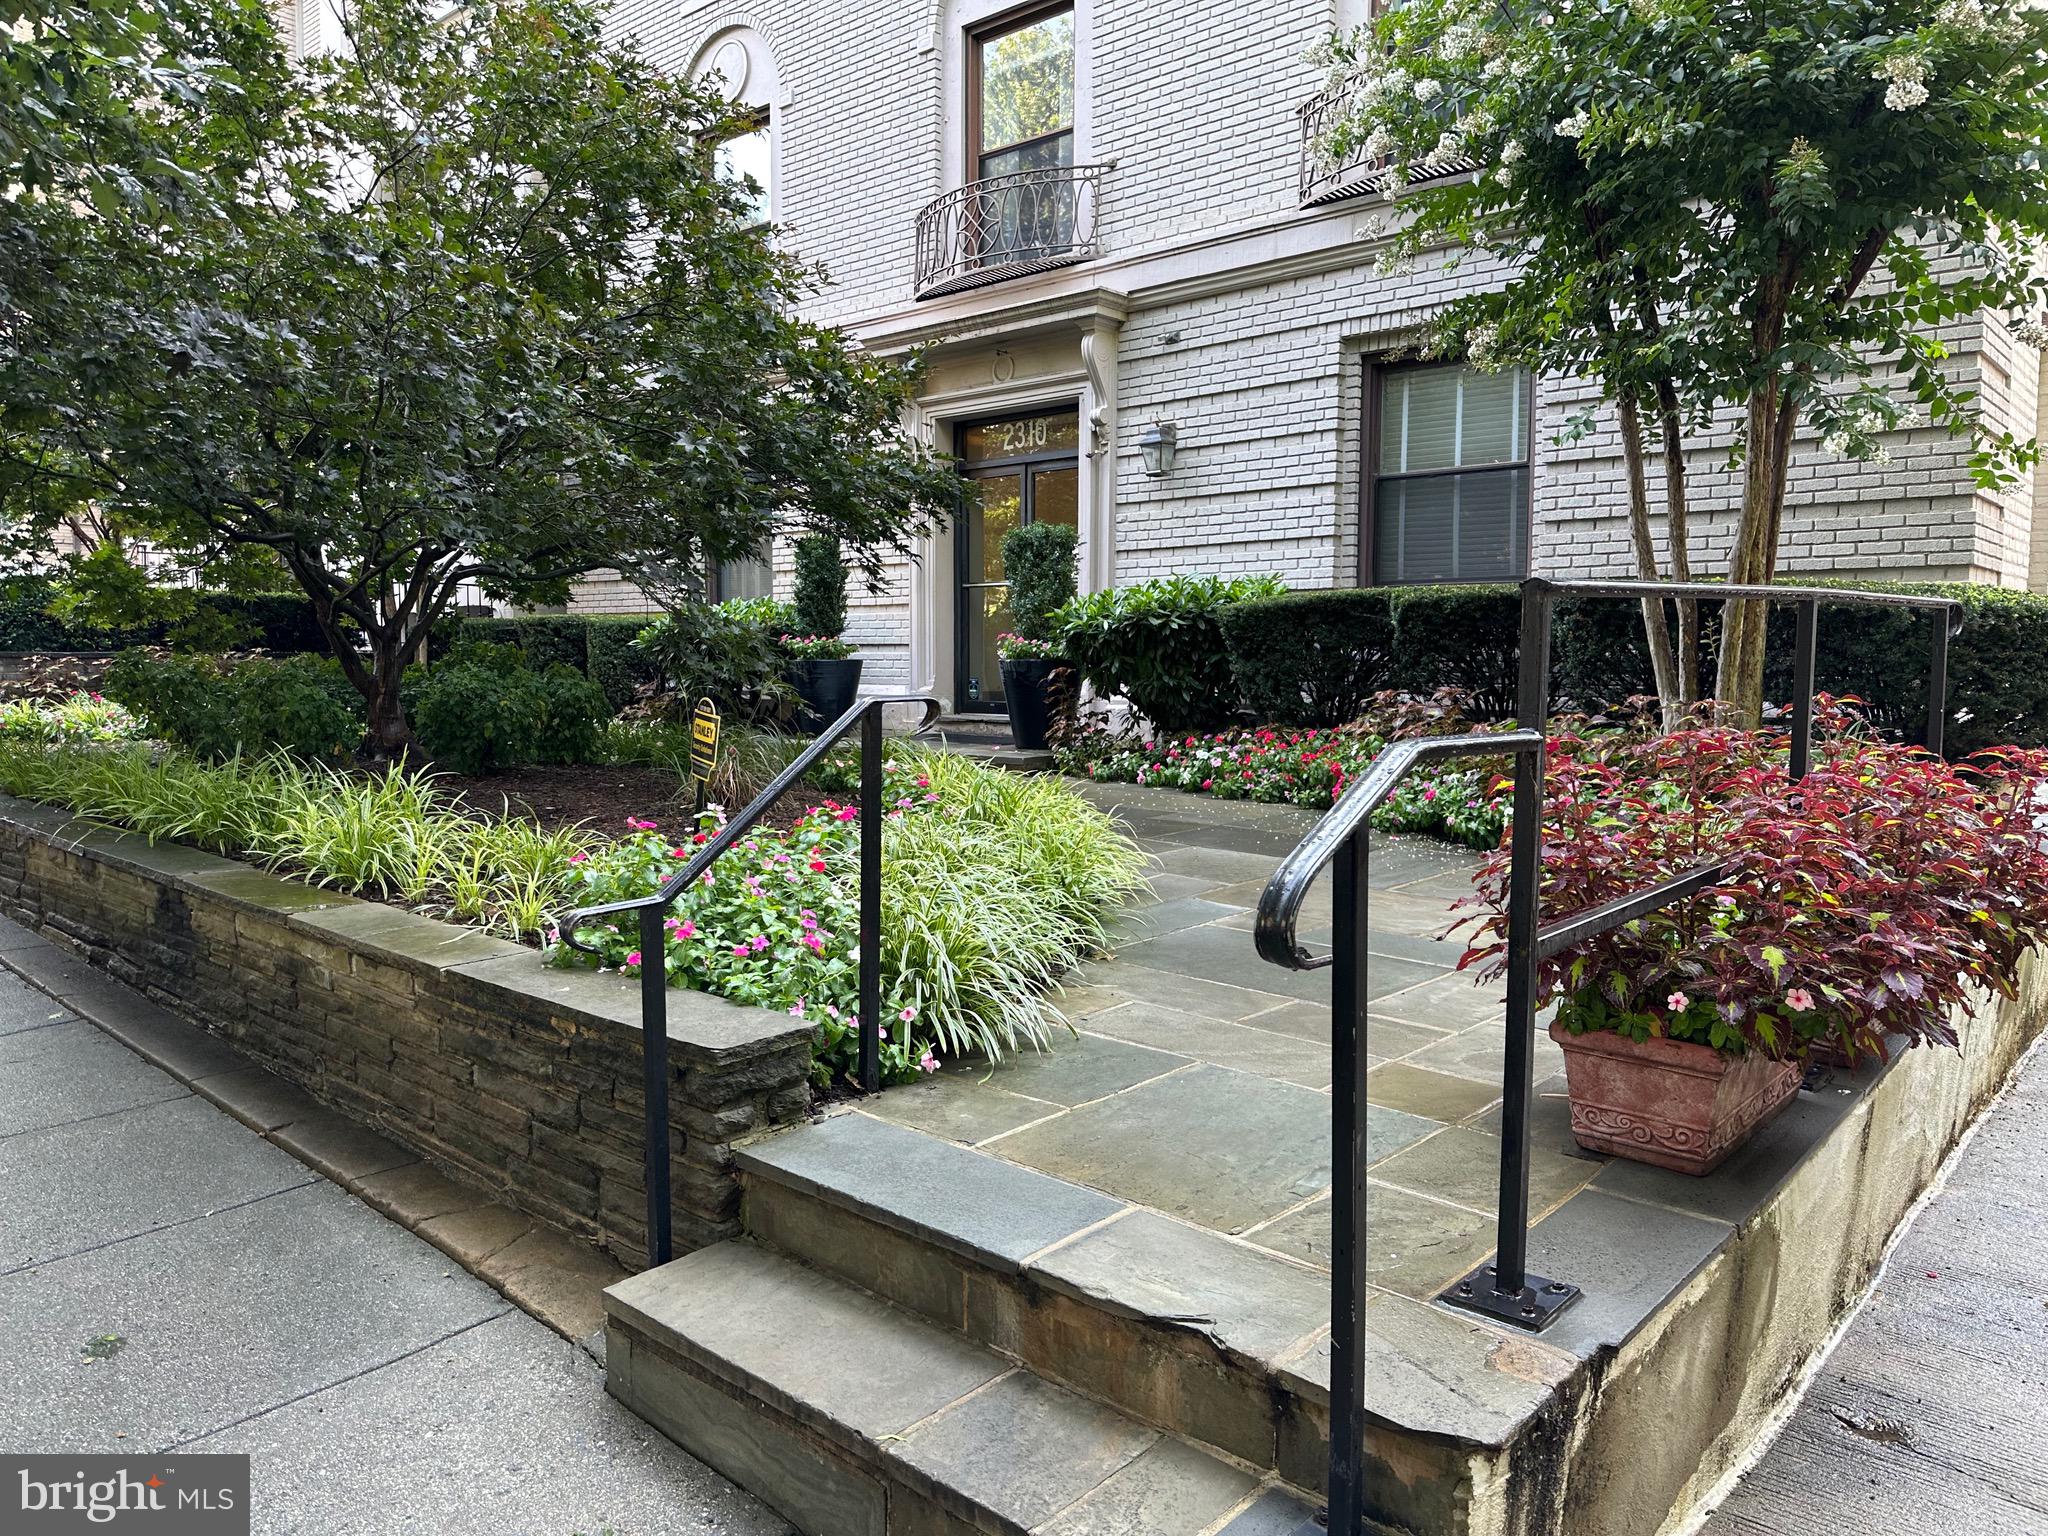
(993,885)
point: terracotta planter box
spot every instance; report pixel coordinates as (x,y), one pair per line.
(1668,1102)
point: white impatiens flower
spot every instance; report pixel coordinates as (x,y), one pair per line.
(1905,75)
(1573,127)
(1427,90)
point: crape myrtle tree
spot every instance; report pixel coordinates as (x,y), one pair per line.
(1724,215)
(473,306)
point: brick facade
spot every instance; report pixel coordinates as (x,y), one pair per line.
(1222,306)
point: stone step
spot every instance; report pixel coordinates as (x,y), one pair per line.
(1180,1327)
(852,1417)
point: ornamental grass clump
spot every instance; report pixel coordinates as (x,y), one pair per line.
(1883,895)
(992,885)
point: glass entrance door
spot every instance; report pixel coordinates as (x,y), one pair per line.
(1021,469)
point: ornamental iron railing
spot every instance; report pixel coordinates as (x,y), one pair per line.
(1326,178)
(1002,227)
(1503,1291)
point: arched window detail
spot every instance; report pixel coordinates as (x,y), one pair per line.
(737,64)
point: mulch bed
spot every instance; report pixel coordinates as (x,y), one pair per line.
(599,797)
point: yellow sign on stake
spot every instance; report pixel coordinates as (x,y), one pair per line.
(704,741)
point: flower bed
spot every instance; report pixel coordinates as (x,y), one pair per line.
(992,885)
(1461,802)
(83,717)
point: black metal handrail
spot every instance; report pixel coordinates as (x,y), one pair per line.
(867,714)
(1007,226)
(1504,1290)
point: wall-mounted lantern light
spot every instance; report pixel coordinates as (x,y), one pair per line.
(1155,448)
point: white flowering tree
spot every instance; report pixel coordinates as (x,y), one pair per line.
(1721,213)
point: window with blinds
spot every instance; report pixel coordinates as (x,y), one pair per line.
(1450,483)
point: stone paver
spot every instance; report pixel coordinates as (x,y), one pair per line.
(1923,1418)
(256,1307)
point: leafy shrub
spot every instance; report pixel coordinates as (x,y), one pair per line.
(705,652)
(1039,564)
(1310,658)
(476,713)
(993,885)
(543,639)
(202,621)
(391,834)
(1160,645)
(767,613)
(820,586)
(612,663)
(813,647)
(1873,897)
(217,709)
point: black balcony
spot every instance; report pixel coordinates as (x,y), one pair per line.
(1007,226)
(1327,179)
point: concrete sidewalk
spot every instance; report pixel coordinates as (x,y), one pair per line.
(1929,1414)
(169,1281)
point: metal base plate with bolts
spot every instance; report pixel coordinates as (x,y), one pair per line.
(1534,1307)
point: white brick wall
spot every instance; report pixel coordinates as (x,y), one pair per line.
(1194,104)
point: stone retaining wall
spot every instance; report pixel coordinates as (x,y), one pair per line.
(466,1047)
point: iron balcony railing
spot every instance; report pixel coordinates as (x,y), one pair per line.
(1007,226)
(651,911)
(1325,178)
(1504,1290)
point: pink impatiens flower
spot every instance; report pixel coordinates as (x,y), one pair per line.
(739,949)
(928,1063)
(907,1015)
(1799,1000)
(578,858)
(633,958)
(1678,1002)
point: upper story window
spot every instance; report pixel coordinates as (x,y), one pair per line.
(1448,492)
(1021,97)
(739,66)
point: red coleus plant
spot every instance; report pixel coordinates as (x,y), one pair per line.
(1878,896)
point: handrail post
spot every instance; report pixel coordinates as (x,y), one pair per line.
(871,899)
(1804,643)
(1937,686)
(1347,1194)
(654,1079)
(1504,1290)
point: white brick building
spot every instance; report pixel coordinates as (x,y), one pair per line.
(1181,283)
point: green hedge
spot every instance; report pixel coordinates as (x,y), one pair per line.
(282,622)
(1160,644)
(1310,658)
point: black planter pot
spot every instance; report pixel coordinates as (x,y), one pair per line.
(825,689)
(1027,690)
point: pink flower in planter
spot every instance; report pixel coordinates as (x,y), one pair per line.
(740,950)
(928,1063)
(817,866)
(813,943)
(796,1009)
(907,1015)
(848,812)
(758,943)
(1799,1000)
(642,826)
(579,858)
(1678,1002)
(633,958)
(686,929)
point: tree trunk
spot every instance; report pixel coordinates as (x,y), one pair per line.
(389,733)
(1663,665)
(1753,561)
(1678,534)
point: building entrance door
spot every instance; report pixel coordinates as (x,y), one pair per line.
(1017,470)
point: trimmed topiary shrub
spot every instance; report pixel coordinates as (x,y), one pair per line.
(1160,645)
(820,587)
(1311,658)
(1039,564)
